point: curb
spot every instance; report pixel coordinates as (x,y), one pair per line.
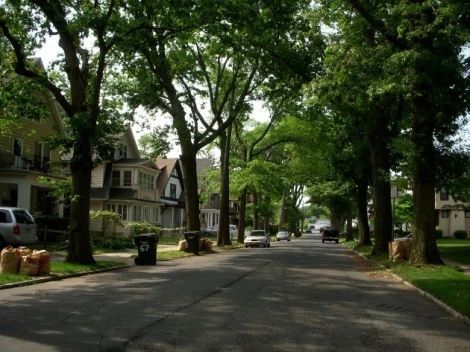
(60,277)
(447,308)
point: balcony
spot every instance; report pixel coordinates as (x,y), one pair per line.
(15,162)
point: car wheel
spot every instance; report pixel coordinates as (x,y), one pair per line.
(268,245)
(322,241)
(337,241)
(288,240)
(246,246)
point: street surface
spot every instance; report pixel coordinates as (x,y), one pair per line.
(295,296)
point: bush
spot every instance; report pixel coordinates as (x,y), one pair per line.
(460,234)
(137,228)
(114,243)
(438,233)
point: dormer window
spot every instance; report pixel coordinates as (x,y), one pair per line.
(444,195)
(122,151)
(172,191)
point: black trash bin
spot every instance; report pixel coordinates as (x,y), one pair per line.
(146,249)
(192,238)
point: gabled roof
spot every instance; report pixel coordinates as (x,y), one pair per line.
(138,162)
(103,192)
(166,167)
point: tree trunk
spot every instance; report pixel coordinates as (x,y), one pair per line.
(349,229)
(241,223)
(424,247)
(378,142)
(80,250)
(223,235)
(255,211)
(362,218)
(283,215)
(188,161)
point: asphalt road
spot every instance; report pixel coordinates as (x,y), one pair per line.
(297,296)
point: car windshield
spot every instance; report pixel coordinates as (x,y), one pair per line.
(257,233)
(23,217)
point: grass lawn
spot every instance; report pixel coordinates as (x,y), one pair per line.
(60,268)
(169,255)
(456,250)
(446,283)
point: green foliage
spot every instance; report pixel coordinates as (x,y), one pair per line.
(58,188)
(109,217)
(460,234)
(155,144)
(117,243)
(137,228)
(403,210)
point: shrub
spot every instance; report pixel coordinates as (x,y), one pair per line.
(438,233)
(137,228)
(114,243)
(460,234)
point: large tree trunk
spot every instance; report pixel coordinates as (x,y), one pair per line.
(80,250)
(378,142)
(283,215)
(255,211)
(223,235)
(241,223)
(424,247)
(362,218)
(349,228)
(188,161)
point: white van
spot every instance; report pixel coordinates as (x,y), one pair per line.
(17,227)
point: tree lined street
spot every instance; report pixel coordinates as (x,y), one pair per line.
(297,296)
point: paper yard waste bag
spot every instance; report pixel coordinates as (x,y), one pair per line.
(182,245)
(44,262)
(29,265)
(9,261)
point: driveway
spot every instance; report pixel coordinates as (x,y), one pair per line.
(297,296)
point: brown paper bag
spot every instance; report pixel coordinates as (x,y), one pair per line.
(44,262)
(29,265)
(9,261)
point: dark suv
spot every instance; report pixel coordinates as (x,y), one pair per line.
(329,233)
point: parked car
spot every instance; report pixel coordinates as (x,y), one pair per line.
(258,238)
(17,227)
(213,230)
(329,233)
(283,235)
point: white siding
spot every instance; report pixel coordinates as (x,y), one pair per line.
(97,176)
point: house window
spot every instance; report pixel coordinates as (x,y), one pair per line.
(146,181)
(127,178)
(467,214)
(17,147)
(137,212)
(42,157)
(444,214)
(444,195)
(147,215)
(122,151)
(116,178)
(172,190)
(120,209)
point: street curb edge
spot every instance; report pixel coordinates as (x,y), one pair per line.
(449,309)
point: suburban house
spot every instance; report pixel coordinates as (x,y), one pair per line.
(451,216)
(210,209)
(171,195)
(25,156)
(125,185)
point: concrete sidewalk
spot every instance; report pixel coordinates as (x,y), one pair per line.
(465,267)
(126,256)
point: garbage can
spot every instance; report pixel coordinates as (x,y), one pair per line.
(192,238)
(146,249)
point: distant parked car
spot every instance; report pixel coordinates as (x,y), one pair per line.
(283,235)
(329,233)
(17,227)
(213,230)
(258,238)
